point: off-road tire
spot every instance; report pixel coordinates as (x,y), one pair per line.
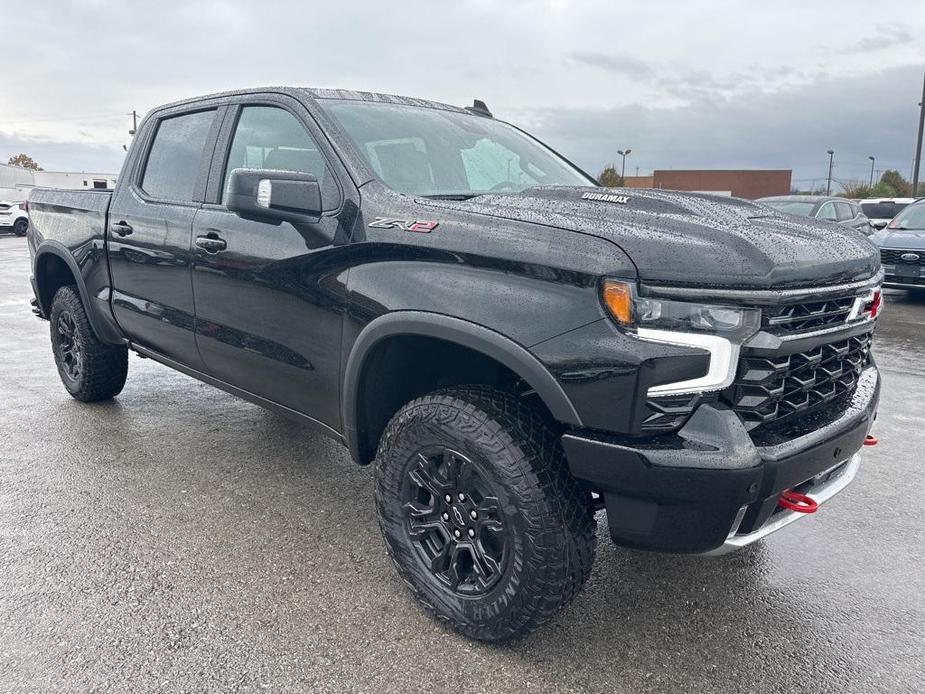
(549,514)
(101,369)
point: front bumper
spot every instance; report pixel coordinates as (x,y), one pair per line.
(710,488)
(820,489)
(911,278)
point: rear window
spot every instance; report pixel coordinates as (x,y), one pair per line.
(882,210)
(176,156)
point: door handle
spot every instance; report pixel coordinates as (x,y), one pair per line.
(211,242)
(121,228)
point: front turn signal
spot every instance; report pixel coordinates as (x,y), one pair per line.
(618,298)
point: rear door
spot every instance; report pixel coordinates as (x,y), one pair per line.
(269,301)
(150,219)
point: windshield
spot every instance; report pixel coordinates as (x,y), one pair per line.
(800,207)
(429,152)
(882,210)
(911,218)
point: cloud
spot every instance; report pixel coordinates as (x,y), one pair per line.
(790,129)
(885,37)
(673,64)
(623,65)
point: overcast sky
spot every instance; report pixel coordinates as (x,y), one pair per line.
(685,84)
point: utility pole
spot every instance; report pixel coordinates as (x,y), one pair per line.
(828,185)
(623,154)
(872,160)
(918,144)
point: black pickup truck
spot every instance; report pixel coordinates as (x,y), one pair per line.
(514,347)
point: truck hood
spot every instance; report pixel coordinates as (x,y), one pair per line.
(693,239)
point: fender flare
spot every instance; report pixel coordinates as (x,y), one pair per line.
(49,247)
(464,333)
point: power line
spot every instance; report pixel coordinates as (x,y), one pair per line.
(27,119)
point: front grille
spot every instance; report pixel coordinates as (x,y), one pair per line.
(891,256)
(791,318)
(772,389)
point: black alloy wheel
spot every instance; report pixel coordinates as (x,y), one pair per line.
(68,345)
(455,521)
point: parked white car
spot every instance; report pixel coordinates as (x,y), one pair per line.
(880,211)
(14,217)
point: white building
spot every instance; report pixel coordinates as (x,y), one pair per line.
(16,182)
(13,181)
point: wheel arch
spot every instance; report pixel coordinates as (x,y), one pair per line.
(457,332)
(55,267)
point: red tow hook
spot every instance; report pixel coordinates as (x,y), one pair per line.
(871,440)
(797,502)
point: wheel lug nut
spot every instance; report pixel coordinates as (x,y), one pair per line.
(473,515)
(446,516)
(471,532)
(457,533)
(462,497)
(448,499)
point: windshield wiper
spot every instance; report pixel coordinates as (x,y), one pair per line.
(452,196)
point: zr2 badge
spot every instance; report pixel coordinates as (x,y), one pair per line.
(421,227)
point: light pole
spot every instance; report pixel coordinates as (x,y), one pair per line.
(828,185)
(918,145)
(624,154)
(872,160)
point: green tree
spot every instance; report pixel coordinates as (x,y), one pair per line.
(901,187)
(883,190)
(25,161)
(609,178)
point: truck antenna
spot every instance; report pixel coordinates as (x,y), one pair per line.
(479,107)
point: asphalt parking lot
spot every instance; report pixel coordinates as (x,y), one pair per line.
(181,540)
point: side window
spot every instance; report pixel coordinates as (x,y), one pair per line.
(827,212)
(176,155)
(844,211)
(267,137)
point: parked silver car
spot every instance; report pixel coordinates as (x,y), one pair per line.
(828,208)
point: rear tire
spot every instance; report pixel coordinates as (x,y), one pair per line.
(514,543)
(89,369)
(20,227)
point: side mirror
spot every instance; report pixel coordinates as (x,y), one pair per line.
(284,195)
(879,225)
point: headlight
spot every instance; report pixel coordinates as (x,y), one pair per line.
(720,330)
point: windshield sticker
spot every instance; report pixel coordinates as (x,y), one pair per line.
(604,197)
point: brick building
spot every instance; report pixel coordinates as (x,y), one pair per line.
(756,183)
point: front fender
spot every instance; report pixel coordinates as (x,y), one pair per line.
(464,333)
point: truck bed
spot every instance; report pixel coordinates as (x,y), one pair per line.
(74,218)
